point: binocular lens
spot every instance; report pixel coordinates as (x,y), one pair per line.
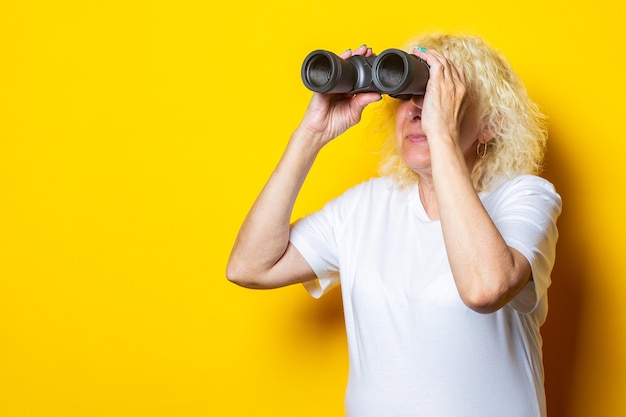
(400,74)
(391,71)
(325,72)
(319,71)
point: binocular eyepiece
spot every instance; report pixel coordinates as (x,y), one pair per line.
(393,72)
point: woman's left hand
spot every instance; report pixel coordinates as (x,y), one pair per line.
(446,99)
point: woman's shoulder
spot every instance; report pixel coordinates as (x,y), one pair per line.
(526,181)
(523,187)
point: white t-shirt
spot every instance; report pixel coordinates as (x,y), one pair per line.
(414,348)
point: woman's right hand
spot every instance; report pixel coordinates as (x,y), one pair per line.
(329,115)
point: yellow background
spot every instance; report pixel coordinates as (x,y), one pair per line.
(134,135)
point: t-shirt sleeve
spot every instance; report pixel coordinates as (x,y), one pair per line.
(317,236)
(318,253)
(314,236)
(526,215)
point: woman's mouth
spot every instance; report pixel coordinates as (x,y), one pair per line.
(415,137)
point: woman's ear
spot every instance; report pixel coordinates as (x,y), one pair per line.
(488,132)
(485,136)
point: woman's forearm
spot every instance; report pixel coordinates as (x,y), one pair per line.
(264,234)
(487,273)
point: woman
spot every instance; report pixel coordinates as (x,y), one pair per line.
(444,261)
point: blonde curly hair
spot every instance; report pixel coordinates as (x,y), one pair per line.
(518,125)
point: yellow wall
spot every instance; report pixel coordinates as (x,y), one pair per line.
(134,136)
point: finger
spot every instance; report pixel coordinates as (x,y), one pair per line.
(361,50)
(362,100)
(449,67)
(434,59)
(428,55)
(461,73)
(455,72)
(345,54)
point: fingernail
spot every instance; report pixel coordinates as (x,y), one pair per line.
(420,48)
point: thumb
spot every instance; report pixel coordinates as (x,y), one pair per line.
(362,100)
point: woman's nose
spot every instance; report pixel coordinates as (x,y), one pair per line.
(415,109)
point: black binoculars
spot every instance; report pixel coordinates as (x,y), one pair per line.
(393,72)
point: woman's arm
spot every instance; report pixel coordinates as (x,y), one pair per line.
(488,273)
(262,256)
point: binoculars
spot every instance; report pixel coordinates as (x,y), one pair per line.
(393,72)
